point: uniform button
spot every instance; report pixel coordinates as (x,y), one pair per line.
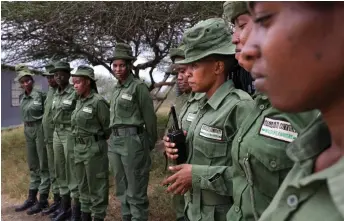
(236,209)
(239,139)
(273,164)
(292,200)
(261,106)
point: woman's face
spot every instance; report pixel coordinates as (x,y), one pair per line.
(81,85)
(297,51)
(242,29)
(62,78)
(26,83)
(119,68)
(182,78)
(51,81)
(201,75)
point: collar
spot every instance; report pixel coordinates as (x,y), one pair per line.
(90,95)
(220,94)
(68,89)
(195,96)
(314,140)
(127,82)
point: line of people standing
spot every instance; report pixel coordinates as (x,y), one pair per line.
(66,134)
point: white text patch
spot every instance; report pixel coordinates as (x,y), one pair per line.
(87,110)
(190,117)
(211,132)
(68,102)
(37,103)
(128,97)
(278,129)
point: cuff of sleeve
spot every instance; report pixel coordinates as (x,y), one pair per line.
(198,172)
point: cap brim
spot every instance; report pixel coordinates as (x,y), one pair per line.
(80,75)
(47,74)
(228,50)
(121,58)
(60,69)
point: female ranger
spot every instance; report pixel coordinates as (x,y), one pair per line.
(209,55)
(90,127)
(310,36)
(32,109)
(134,133)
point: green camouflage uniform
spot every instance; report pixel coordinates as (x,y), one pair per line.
(305,195)
(32,109)
(133,121)
(211,132)
(90,127)
(259,160)
(48,128)
(63,105)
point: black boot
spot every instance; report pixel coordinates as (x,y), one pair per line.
(56,212)
(86,216)
(76,210)
(65,211)
(31,200)
(42,204)
(97,219)
(53,207)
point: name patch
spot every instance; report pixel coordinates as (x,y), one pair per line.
(68,102)
(190,117)
(211,132)
(37,103)
(128,97)
(278,129)
(87,110)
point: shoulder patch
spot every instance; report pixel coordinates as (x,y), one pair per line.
(278,129)
(211,132)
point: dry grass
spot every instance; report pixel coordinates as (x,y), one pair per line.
(15,175)
(14,168)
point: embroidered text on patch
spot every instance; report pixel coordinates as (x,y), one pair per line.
(211,132)
(278,129)
(128,97)
(87,110)
(68,102)
(37,103)
(190,117)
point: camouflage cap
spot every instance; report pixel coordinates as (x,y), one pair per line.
(233,9)
(177,52)
(208,37)
(21,67)
(124,52)
(85,71)
(60,66)
(48,67)
(23,73)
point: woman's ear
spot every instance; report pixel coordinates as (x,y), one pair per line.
(219,67)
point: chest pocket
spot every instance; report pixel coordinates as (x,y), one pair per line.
(85,116)
(208,152)
(36,107)
(67,104)
(125,105)
(269,164)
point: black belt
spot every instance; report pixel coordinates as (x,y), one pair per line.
(127,131)
(31,123)
(82,140)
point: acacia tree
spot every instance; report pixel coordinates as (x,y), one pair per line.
(35,31)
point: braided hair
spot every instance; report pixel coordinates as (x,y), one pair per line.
(242,79)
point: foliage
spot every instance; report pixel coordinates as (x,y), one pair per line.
(35,31)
